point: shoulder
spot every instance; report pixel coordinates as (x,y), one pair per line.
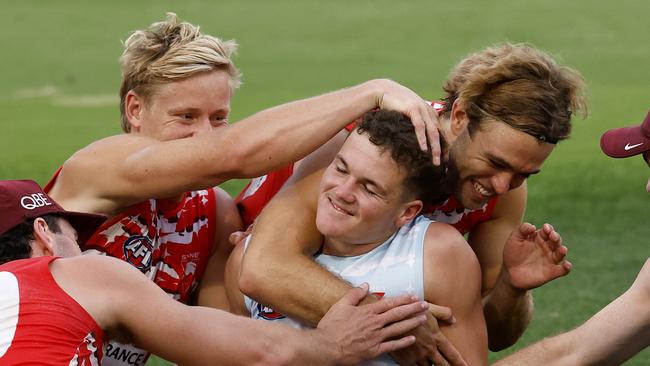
(80,181)
(448,261)
(445,242)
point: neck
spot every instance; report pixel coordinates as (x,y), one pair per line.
(340,248)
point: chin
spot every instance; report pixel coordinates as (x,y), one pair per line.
(469,200)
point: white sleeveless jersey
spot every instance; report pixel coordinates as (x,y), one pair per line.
(393,268)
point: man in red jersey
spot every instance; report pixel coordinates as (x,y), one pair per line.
(58,307)
(505,109)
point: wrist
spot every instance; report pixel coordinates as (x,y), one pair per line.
(507,285)
(329,351)
(376,89)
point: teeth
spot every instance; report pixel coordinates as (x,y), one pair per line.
(480,189)
(337,208)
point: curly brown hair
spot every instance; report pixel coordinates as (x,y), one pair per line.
(393,132)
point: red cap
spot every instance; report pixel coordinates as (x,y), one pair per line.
(627,141)
(22,200)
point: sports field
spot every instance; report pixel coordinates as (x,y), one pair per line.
(59,81)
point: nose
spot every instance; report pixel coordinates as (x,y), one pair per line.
(345,190)
(201,126)
(502,181)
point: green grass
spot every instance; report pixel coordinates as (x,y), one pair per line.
(57,55)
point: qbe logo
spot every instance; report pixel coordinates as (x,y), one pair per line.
(138,251)
(35,200)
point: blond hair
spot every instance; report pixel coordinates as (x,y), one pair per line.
(521,86)
(168,51)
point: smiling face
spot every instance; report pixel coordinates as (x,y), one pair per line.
(496,159)
(362,199)
(182,108)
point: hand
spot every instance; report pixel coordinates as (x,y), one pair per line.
(363,332)
(431,346)
(239,237)
(533,257)
(423,116)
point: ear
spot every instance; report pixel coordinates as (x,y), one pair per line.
(43,243)
(411,209)
(133,108)
(459,119)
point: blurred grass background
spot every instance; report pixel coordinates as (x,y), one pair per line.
(59,83)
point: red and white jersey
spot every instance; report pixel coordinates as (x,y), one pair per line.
(169,241)
(40,324)
(260,190)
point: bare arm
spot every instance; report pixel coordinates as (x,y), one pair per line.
(280,252)
(116,172)
(132,306)
(452,278)
(507,310)
(610,337)
(212,292)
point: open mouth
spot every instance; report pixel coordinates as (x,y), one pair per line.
(478,187)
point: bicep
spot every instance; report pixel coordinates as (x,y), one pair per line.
(453,279)
(288,223)
(488,238)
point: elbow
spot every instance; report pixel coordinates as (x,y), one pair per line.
(497,345)
(252,280)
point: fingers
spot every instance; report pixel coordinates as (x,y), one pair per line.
(354,295)
(420,123)
(404,311)
(527,229)
(448,352)
(438,359)
(442,313)
(433,135)
(394,345)
(389,303)
(402,326)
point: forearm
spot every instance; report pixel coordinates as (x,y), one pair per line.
(555,351)
(220,338)
(277,136)
(507,313)
(305,295)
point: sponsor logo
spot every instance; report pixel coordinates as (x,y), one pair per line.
(630,147)
(35,200)
(138,251)
(121,354)
(267,313)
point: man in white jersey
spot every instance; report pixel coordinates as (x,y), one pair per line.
(368,204)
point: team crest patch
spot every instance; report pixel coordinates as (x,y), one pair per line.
(267,313)
(138,250)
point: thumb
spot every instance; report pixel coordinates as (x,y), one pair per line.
(526,229)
